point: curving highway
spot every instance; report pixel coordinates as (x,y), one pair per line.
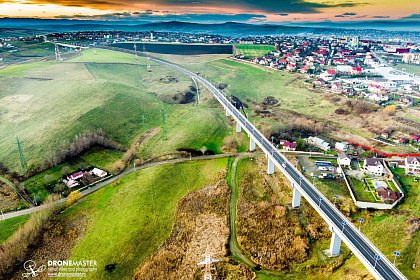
(367,253)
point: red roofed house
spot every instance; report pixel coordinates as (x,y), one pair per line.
(356,70)
(328,75)
(415,138)
(336,87)
(75,176)
(288,146)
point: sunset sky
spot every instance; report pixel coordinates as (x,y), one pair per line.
(214,10)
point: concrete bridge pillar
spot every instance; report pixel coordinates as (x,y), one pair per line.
(251,145)
(296,197)
(238,127)
(270,166)
(227,113)
(335,244)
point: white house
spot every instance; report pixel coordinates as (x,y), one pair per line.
(328,75)
(319,143)
(412,165)
(344,159)
(373,166)
(342,146)
(98,172)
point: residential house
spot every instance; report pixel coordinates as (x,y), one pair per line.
(386,195)
(412,165)
(328,75)
(344,159)
(75,176)
(288,146)
(378,97)
(356,70)
(319,143)
(373,166)
(342,146)
(336,87)
(98,172)
(71,183)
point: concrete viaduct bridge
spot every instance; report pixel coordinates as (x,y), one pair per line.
(342,229)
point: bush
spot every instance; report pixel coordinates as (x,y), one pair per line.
(73,198)
(16,247)
(341,111)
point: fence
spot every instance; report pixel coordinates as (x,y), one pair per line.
(382,206)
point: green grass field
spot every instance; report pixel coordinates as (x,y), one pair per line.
(9,226)
(410,68)
(359,190)
(26,51)
(47,104)
(260,84)
(251,51)
(131,218)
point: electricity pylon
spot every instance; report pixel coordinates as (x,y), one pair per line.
(57,52)
(135,51)
(149,67)
(22,158)
(207,270)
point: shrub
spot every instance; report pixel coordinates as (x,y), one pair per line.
(73,198)
(16,247)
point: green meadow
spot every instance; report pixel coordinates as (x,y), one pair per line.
(47,104)
(251,51)
(129,219)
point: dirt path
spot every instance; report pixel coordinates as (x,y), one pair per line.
(234,247)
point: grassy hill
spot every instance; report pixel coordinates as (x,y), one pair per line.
(127,221)
(46,104)
(9,226)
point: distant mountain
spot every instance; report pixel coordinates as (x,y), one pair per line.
(227,28)
(389,25)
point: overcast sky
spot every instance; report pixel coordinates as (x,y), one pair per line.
(214,10)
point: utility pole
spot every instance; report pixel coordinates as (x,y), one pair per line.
(164,132)
(22,158)
(149,68)
(196,88)
(135,51)
(207,270)
(57,52)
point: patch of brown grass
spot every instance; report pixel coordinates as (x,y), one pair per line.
(200,229)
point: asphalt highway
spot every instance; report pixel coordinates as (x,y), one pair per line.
(368,254)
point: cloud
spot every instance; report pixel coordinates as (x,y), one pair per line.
(380,17)
(283,14)
(267,6)
(149,15)
(412,17)
(346,14)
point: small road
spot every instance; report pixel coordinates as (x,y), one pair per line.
(234,247)
(106,182)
